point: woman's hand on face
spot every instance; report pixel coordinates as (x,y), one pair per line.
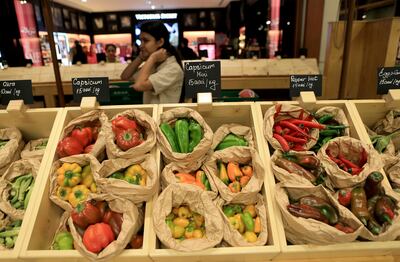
(160,55)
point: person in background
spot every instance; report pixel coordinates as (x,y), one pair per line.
(111,51)
(161,76)
(186,52)
(91,54)
(78,55)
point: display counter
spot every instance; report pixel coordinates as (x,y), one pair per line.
(235,74)
(43,216)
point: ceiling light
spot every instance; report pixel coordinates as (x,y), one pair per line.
(153,7)
(364,16)
(22,2)
(288,23)
(268,22)
(84,1)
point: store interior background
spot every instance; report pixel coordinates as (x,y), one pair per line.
(216,29)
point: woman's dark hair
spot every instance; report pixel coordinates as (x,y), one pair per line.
(158,31)
(112,45)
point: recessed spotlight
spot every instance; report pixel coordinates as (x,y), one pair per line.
(153,7)
(364,16)
(288,23)
(268,22)
(84,1)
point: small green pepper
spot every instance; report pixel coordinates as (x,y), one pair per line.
(325,118)
(195,133)
(182,134)
(63,241)
(248,221)
(229,211)
(117,175)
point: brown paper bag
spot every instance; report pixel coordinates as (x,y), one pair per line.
(338,114)
(199,201)
(388,155)
(11,151)
(123,189)
(295,112)
(235,129)
(143,119)
(351,148)
(91,116)
(300,231)
(168,176)
(18,168)
(29,149)
(62,227)
(393,169)
(233,237)
(240,155)
(132,222)
(82,160)
(199,152)
(388,125)
(284,176)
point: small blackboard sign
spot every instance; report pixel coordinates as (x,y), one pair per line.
(91,86)
(388,78)
(300,83)
(202,77)
(16,90)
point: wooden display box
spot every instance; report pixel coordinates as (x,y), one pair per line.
(353,249)
(217,114)
(45,215)
(33,124)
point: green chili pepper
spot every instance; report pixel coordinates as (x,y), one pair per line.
(231,140)
(170,136)
(182,134)
(325,118)
(329,132)
(336,127)
(195,133)
(248,221)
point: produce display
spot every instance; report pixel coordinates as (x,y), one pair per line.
(370,204)
(317,208)
(133,174)
(305,165)
(128,133)
(75,183)
(198,178)
(80,140)
(21,190)
(234,175)
(9,234)
(184,135)
(231,140)
(244,219)
(185,223)
(352,162)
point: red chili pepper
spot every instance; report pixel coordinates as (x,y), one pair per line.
(286,131)
(343,228)
(278,129)
(308,123)
(347,162)
(298,147)
(284,144)
(294,127)
(337,161)
(344,196)
(294,139)
(354,171)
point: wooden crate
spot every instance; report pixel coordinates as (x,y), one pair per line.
(46,215)
(354,249)
(33,124)
(215,115)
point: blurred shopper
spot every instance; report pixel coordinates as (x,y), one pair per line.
(111,53)
(78,55)
(161,76)
(186,52)
(91,54)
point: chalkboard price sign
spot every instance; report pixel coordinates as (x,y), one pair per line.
(300,83)
(16,90)
(93,86)
(202,77)
(388,78)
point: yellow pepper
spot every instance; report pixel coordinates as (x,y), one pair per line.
(63,192)
(93,187)
(69,175)
(135,174)
(87,176)
(78,194)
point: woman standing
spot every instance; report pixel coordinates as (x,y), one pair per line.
(161,76)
